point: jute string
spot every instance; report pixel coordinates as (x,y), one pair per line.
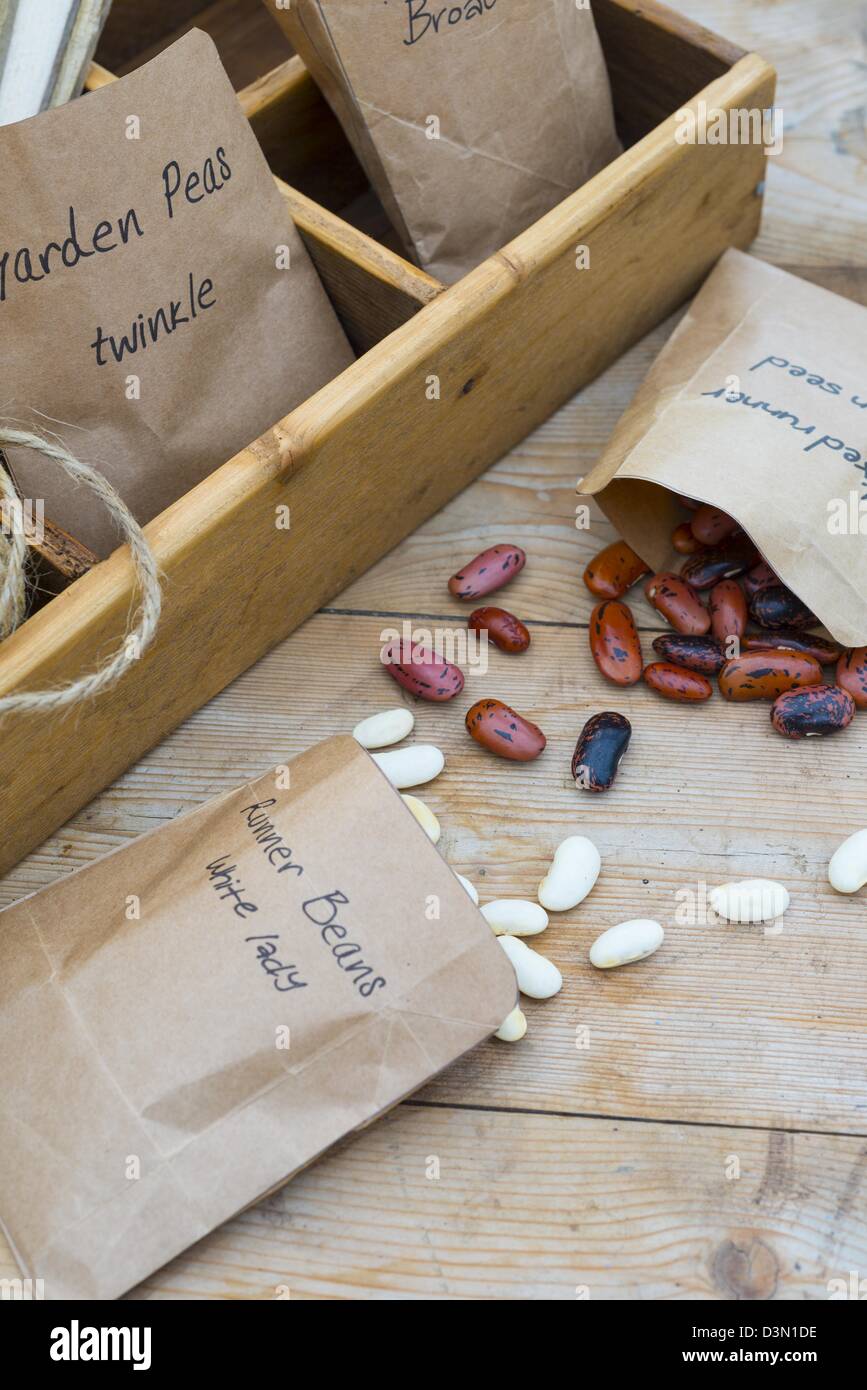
(13,577)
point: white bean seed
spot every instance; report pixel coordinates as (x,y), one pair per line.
(515,917)
(381,730)
(573,872)
(626,942)
(847,871)
(410,767)
(751,900)
(513,1028)
(537,977)
(470,887)
(424,815)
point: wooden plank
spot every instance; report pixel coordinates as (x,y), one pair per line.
(79,50)
(542,1207)
(371,455)
(135,25)
(657,60)
(373,290)
(62,553)
(816,209)
(247,39)
(98,76)
(725,1024)
(52,548)
(300,135)
(529,497)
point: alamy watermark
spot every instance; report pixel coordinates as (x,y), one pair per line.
(19,516)
(847,516)
(461,646)
(713,125)
(854,1288)
(22,1290)
(759,906)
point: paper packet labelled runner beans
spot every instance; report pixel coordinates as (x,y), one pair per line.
(190,1020)
(757,405)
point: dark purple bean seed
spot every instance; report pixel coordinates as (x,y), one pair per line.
(812,712)
(819,648)
(702,654)
(708,567)
(777,606)
(761,576)
(599,751)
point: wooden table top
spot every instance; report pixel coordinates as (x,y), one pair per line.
(694,1127)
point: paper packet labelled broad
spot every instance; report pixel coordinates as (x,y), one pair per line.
(472,120)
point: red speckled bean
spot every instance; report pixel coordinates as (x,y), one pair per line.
(704,654)
(421,671)
(761,576)
(819,648)
(614,570)
(765,675)
(684,541)
(710,525)
(615,643)
(676,683)
(777,606)
(505,630)
(708,567)
(813,712)
(678,603)
(852,674)
(728,609)
(502,731)
(488,571)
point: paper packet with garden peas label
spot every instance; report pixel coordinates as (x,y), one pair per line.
(158,308)
(758,405)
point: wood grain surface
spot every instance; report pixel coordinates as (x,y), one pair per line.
(693,1127)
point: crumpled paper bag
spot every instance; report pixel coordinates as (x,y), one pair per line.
(472,120)
(190,1020)
(145,301)
(758,405)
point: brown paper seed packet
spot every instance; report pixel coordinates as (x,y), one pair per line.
(758,405)
(158,308)
(471,119)
(192,1019)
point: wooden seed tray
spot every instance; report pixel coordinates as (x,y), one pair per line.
(370,456)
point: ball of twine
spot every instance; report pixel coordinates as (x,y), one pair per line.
(13,577)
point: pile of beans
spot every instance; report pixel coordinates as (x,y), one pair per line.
(781,662)
(571,876)
(492,723)
(425,674)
